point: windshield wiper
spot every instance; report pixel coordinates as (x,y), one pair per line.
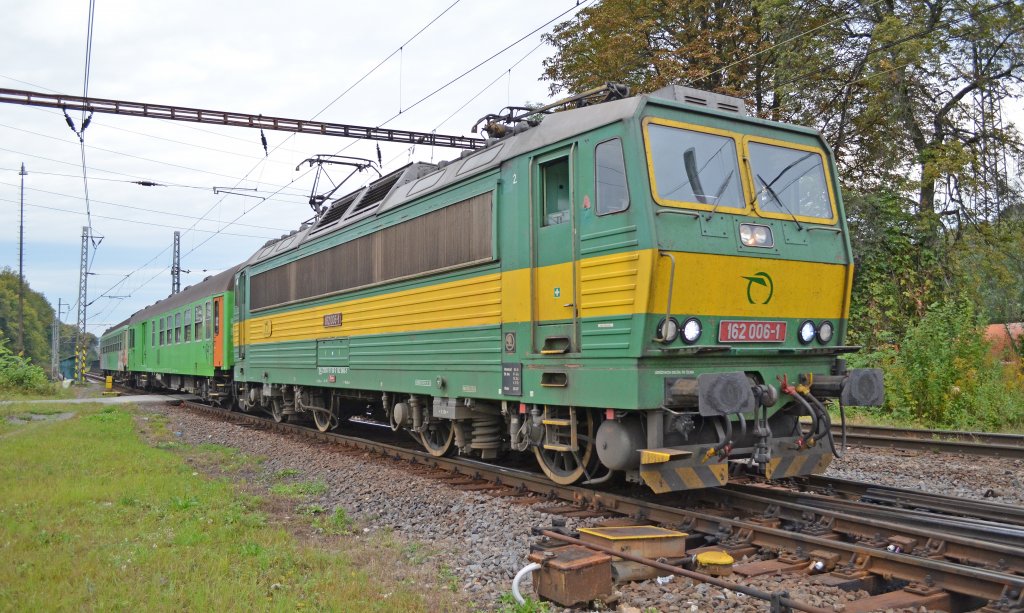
(718,194)
(768,186)
(786,169)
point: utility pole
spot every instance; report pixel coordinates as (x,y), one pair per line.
(21,266)
(55,342)
(80,340)
(176,265)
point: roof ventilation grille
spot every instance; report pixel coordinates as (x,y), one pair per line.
(698,97)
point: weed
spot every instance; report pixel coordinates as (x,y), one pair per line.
(107,414)
(311,509)
(286,473)
(336,523)
(300,489)
(251,549)
(448,578)
(183,504)
(417,553)
(507,604)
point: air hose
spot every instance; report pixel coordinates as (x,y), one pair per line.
(828,421)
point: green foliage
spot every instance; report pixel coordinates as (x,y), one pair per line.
(507,604)
(297,490)
(988,263)
(38,318)
(943,375)
(19,376)
(892,86)
(336,523)
(896,269)
(93,518)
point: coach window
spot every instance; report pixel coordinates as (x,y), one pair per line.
(612,192)
(555,186)
(152,329)
(199,322)
(188,324)
(177,327)
(162,331)
(209,316)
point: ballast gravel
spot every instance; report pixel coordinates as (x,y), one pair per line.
(997,480)
(484,539)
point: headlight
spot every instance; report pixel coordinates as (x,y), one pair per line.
(668,330)
(691,330)
(755,235)
(807,332)
(825,332)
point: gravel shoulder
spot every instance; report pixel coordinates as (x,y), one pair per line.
(996,479)
(476,542)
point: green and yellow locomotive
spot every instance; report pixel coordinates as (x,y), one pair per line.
(653,286)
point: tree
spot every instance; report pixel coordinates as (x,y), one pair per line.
(38,318)
(907,93)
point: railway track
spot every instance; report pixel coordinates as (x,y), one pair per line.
(941,441)
(959,559)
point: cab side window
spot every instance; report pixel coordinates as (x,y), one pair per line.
(612,190)
(555,186)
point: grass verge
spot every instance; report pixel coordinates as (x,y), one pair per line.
(93,518)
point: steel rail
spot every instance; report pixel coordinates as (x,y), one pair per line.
(228,118)
(943,441)
(877,526)
(913,499)
(989,584)
(782,600)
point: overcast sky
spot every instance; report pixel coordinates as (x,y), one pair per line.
(284,59)
(281,59)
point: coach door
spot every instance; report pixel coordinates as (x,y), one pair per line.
(553,239)
(144,351)
(218,332)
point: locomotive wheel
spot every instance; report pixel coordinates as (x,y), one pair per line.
(323,420)
(438,438)
(568,467)
(277,409)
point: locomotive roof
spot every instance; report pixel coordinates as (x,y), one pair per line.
(420,179)
(214,284)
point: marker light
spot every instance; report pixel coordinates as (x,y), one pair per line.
(806,332)
(825,332)
(668,330)
(691,330)
(755,235)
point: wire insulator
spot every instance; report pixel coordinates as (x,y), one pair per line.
(71,122)
(263,139)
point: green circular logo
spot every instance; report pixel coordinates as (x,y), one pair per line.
(760,288)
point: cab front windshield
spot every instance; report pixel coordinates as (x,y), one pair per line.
(789,182)
(694,169)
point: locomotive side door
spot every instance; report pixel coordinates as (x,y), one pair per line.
(241,293)
(553,284)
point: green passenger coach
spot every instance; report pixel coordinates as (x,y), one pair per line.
(180,343)
(653,288)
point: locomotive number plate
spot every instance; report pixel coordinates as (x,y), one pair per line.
(752,332)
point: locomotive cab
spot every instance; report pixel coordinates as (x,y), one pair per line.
(749,300)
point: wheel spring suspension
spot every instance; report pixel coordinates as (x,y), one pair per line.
(486,434)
